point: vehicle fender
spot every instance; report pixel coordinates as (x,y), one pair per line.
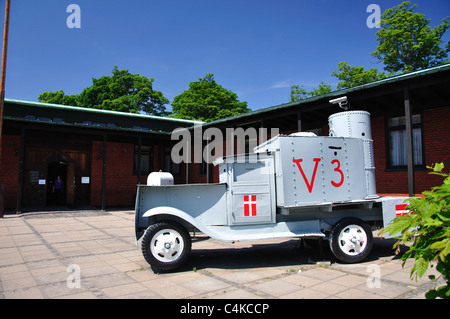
(179,215)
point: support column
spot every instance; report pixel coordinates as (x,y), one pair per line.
(409,142)
(20,182)
(138,166)
(104,173)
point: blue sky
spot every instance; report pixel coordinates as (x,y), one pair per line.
(256,48)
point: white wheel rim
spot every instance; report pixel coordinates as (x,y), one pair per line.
(352,240)
(167,245)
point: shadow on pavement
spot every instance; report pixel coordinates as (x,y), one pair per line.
(295,252)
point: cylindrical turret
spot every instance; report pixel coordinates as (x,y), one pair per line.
(357,124)
(350,124)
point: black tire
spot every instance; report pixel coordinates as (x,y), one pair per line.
(166,245)
(351,240)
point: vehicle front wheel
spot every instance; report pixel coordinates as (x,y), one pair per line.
(351,240)
(166,245)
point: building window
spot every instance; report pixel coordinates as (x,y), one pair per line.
(146,166)
(397,141)
(169,165)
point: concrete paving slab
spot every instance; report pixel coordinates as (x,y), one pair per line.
(302,280)
(305,294)
(349,280)
(235,293)
(203,285)
(354,293)
(241,277)
(36,252)
(275,288)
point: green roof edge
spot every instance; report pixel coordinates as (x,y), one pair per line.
(98,111)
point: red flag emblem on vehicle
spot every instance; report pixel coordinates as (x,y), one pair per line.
(249,205)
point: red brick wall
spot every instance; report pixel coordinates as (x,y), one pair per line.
(436,140)
(9,168)
(120,181)
(437,145)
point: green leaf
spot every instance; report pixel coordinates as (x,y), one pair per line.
(446,250)
(445,216)
(420,267)
(398,225)
(438,167)
(438,245)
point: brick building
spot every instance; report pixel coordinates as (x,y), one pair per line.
(102,155)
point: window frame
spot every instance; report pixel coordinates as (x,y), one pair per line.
(399,128)
(146,150)
(168,164)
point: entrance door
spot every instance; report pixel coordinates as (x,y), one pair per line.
(35,176)
(71,184)
(41,168)
(56,195)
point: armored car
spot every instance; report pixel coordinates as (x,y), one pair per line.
(292,186)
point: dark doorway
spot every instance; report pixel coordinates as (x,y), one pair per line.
(56,195)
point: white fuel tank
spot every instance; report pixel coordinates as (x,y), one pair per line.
(159,179)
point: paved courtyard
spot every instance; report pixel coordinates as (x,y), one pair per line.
(92,254)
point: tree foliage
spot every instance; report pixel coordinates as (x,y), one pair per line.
(427,227)
(299,93)
(351,76)
(407,42)
(123,91)
(59,97)
(205,100)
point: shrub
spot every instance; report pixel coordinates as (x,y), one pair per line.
(428,228)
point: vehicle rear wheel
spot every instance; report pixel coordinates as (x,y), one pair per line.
(166,245)
(351,240)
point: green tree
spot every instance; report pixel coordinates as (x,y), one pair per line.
(123,91)
(205,100)
(351,76)
(299,93)
(59,97)
(407,42)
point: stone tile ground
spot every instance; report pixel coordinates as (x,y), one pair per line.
(38,253)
